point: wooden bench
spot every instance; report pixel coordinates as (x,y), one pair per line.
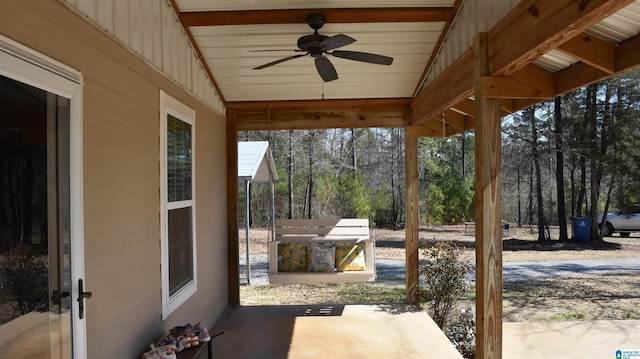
(327,233)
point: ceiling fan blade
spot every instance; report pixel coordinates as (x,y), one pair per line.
(274,50)
(325,69)
(335,42)
(279,61)
(364,57)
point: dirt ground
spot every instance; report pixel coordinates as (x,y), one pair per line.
(587,297)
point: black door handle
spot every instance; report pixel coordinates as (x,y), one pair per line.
(82,295)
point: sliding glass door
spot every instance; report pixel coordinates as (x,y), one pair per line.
(40,237)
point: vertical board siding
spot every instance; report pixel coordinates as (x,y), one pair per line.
(121,127)
(135,26)
(104,14)
(473,16)
(120,21)
(151,30)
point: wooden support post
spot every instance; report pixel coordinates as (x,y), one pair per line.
(232,210)
(411,233)
(488,190)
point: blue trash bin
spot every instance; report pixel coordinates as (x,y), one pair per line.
(582,228)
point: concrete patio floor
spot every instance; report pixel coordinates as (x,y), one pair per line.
(401,331)
(331,331)
(598,339)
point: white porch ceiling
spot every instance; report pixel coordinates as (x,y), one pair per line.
(227,50)
(212,56)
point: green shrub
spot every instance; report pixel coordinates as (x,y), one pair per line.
(443,274)
(462,333)
(25,276)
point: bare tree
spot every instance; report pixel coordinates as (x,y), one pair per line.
(562,215)
(530,114)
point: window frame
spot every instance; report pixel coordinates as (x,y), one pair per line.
(175,108)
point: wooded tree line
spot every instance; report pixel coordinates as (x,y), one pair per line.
(577,155)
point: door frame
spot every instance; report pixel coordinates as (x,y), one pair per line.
(25,65)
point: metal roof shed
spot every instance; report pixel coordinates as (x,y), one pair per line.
(255,164)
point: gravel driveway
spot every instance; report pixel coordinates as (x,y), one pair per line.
(392,272)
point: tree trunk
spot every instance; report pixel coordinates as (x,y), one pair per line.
(572,181)
(530,199)
(394,170)
(592,122)
(530,112)
(464,155)
(290,170)
(582,186)
(519,198)
(562,215)
(354,157)
(310,176)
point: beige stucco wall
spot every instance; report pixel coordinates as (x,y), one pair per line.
(121,181)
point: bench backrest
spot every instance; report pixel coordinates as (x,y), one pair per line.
(307,229)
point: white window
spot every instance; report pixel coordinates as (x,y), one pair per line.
(177,198)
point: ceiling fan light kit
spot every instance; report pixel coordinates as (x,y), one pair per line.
(317,46)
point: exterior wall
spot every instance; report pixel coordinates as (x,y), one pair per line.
(121,181)
(151,29)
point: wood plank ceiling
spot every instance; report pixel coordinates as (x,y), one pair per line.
(539,49)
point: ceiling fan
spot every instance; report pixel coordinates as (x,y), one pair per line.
(318,46)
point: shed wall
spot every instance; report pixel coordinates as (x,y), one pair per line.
(121,181)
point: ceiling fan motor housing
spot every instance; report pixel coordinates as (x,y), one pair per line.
(308,42)
(315,21)
(311,43)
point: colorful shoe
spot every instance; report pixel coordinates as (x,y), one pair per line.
(186,342)
(169,340)
(160,352)
(202,332)
(194,339)
(152,354)
(180,331)
(167,352)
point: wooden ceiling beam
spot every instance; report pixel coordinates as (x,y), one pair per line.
(521,104)
(577,76)
(454,85)
(334,16)
(592,51)
(467,107)
(537,77)
(306,105)
(432,128)
(510,88)
(535,27)
(581,74)
(530,30)
(456,119)
(320,114)
(421,131)
(627,54)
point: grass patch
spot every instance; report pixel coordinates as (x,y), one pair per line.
(335,293)
(567,316)
(353,293)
